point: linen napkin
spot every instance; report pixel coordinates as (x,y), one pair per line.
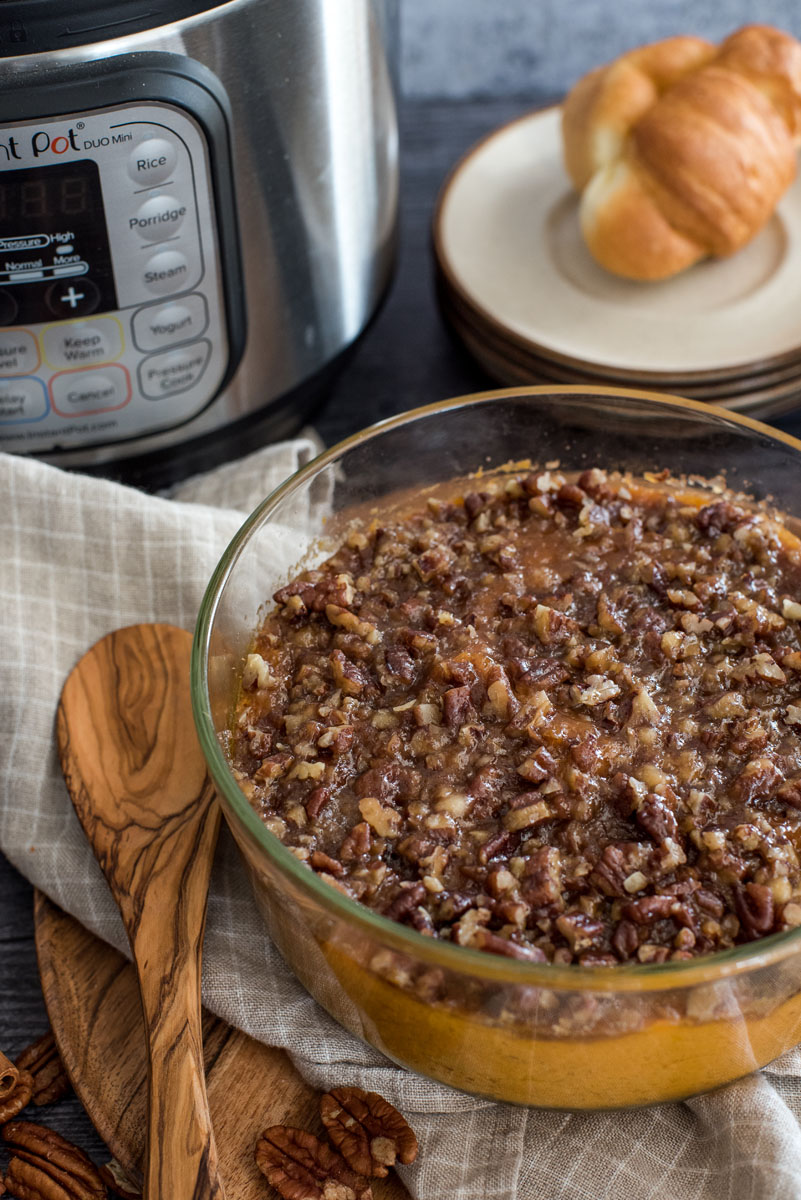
(80,557)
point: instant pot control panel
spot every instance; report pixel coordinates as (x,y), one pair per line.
(114,321)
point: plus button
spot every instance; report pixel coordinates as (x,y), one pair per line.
(71,297)
(63,298)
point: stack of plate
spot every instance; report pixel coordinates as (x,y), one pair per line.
(521,291)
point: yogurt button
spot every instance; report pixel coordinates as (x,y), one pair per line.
(165,272)
(161,325)
(158,218)
(152,161)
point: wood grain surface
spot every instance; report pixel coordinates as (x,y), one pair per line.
(137,780)
(92,1000)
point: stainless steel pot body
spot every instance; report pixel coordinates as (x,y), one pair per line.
(307,89)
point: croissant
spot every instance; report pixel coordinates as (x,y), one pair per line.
(682,150)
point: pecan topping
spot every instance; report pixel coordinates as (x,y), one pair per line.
(370,1134)
(19,1098)
(301,1167)
(45,1166)
(41,1058)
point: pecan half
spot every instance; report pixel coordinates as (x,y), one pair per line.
(45,1166)
(41,1058)
(370,1134)
(301,1167)
(19,1098)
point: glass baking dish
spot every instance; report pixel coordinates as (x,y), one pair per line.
(538,1034)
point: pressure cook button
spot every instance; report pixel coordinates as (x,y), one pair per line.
(152,161)
(175,371)
(161,325)
(158,218)
(82,343)
(22,400)
(73,298)
(77,392)
(165,272)
(19,354)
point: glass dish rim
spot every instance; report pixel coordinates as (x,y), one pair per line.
(460,959)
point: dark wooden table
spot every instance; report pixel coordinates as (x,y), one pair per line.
(407,358)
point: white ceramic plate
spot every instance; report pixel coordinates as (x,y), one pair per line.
(507,238)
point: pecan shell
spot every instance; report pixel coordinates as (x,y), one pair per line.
(369,1133)
(301,1167)
(45,1166)
(42,1059)
(19,1098)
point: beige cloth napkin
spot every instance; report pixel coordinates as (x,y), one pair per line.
(80,557)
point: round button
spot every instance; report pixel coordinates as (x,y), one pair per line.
(73,298)
(8,308)
(159,217)
(152,161)
(165,272)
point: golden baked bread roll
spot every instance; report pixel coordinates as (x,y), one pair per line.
(682,150)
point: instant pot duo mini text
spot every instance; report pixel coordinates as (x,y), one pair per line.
(197,220)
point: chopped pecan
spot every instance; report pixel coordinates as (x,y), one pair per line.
(656,818)
(18,1099)
(648,909)
(301,1167)
(42,1059)
(754,905)
(580,931)
(790,792)
(357,843)
(457,706)
(45,1165)
(369,1133)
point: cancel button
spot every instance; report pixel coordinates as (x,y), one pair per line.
(174,370)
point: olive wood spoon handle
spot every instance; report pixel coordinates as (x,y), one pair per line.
(137,780)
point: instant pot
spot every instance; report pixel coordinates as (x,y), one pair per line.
(198,209)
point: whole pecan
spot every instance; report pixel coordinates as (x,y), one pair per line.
(370,1134)
(19,1098)
(41,1058)
(45,1166)
(301,1167)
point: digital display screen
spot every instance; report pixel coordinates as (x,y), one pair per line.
(55,261)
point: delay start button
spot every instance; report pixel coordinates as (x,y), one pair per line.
(174,371)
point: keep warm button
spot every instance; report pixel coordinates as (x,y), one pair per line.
(174,371)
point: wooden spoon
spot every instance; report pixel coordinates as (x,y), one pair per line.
(130,758)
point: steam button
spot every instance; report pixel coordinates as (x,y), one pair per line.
(152,161)
(166,272)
